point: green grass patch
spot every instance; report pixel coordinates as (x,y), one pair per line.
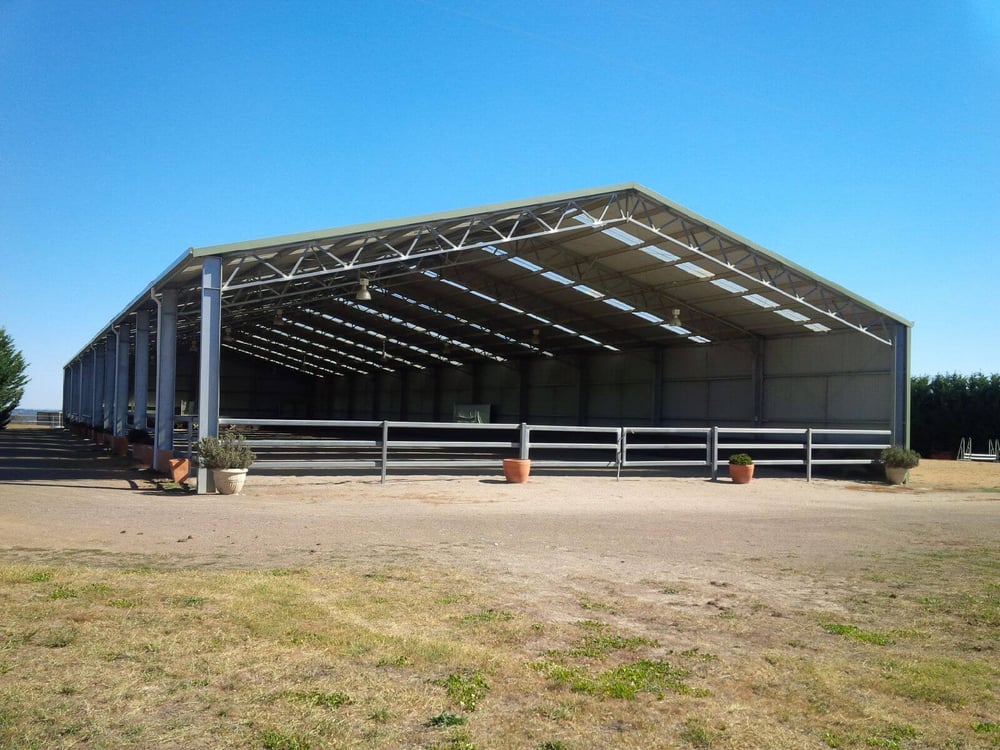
(948,682)
(322,699)
(857,634)
(892,737)
(446,719)
(624,681)
(466,689)
(488,615)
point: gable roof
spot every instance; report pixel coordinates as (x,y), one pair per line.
(560,275)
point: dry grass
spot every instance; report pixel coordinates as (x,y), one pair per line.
(903,655)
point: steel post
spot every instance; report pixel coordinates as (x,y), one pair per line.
(140,393)
(110,353)
(208,360)
(124,335)
(166,375)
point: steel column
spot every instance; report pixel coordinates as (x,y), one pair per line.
(97,387)
(166,376)
(124,335)
(67,407)
(208,359)
(901,385)
(758,381)
(109,381)
(140,393)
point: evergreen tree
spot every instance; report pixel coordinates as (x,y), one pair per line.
(12,377)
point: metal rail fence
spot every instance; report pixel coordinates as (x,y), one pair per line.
(387,445)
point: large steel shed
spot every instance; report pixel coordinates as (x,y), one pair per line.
(611,306)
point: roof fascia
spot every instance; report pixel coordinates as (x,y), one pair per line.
(136,303)
(381,226)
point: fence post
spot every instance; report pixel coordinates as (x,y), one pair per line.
(809,454)
(524,447)
(713,453)
(385,448)
(620,452)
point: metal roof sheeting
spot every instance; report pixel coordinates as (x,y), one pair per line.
(597,270)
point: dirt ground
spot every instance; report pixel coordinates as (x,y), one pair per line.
(77,503)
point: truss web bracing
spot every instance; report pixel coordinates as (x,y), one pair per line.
(616,270)
(585,273)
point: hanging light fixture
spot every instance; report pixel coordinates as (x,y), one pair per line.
(279,317)
(194,345)
(675,318)
(363,295)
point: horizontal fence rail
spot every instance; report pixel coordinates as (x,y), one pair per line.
(385,445)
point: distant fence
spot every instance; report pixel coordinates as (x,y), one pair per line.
(385,445)
(40,418)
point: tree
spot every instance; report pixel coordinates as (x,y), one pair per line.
(949,407)
(12,377)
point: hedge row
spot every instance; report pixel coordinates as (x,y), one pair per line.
(947,408)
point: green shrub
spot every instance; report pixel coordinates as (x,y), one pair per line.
(228,451)
(741,459)
(900,457)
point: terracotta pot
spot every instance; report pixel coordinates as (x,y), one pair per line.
(120,446)
(178,469)
(896,474)
(229,481)
(741,474)
(516,470)
(142,453)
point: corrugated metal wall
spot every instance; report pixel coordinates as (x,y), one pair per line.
(834,380)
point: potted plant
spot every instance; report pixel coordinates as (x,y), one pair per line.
(229,457)
(516,470)
(142,445)
(740,468)
(898,461)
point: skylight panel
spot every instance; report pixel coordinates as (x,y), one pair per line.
(564,329)
(622,236)
(679,330)
(617,303)
(512,308)
(792,315)
(455,284)
(494,251)
(590,340)
(729,286)
(614,232)
(557,278)
(647,316)
(818,327)
(695,270)
(660,254)
(699,339)
(518,261)
(429,273)
(760,300)
(588,291)
(539,318)
(481,295)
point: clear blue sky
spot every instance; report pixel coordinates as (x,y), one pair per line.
(859,139)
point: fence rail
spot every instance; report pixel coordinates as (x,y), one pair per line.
(386,445)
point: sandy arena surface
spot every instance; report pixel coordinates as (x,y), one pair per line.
(61,499)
